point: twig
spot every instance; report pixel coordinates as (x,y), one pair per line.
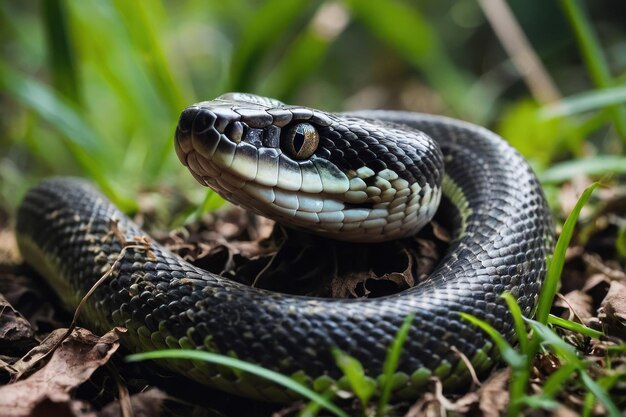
(468,365)
(520,51)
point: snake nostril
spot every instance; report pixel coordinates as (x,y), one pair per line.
(203,121)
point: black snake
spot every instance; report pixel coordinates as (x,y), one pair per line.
(364,176)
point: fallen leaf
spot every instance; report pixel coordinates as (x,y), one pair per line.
(493,395)
(8,248)
(16,334)
(30,362)
(70,365)
(579,304)
(427,406)
(612,311)
(563,411)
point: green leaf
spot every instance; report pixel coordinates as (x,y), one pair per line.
(593,56)
(260,36)
(61,53)
(600,394)
(362,386)
(537,139)
(238,364)
(51,107)
(391,364)
(558,378)
(555,267)
(589,100)
(518,321)
(594,166)
(306,52)
(558,345)
(402,26)
(573,326)
(79,137)
(541,402)
(510,355)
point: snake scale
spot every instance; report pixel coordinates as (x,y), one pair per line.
(365,176)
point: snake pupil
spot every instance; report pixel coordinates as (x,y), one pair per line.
(298,140)
(301,141)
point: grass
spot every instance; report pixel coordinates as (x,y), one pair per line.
(238,364)
(521,361)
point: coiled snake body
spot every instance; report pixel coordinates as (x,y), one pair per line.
(365,176)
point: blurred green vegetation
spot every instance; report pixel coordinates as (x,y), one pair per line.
(94,87)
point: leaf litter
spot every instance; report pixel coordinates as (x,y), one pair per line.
(254,251)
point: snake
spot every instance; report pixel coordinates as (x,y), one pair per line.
(363,176)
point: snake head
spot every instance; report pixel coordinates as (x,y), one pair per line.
(337,175)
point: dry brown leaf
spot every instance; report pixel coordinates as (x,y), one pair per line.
(612,311)
(440,232)
(69,366)
(427,406)
(579,304)
(30,362)
(8,248)
(15,331)
(596,280)
(144,404)
(563,411)
(493,395)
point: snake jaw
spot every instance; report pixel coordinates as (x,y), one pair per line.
(363,181)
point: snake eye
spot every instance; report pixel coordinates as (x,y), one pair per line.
(301,141)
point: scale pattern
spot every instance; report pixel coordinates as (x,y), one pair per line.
(72,235)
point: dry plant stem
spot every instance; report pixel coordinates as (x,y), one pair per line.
(72,325)
(594,261)
(266,267)
(521,52)
(143,243)
(126,406)
(445,403)
(573,312)
(468,365)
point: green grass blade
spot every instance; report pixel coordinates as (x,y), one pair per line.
(520,364)
(518,321)
(558,345)
(403,27)
(590,100)
(593,56)
(555,267)
(238,364)
(594,166)
(361,385)
(391,364)
(600,394)
(510,355)
(259,36)
(557,380)
(51,107)
(620,241)
(81,140)
(539,401)
(305,53)
(60,50)
(573,326)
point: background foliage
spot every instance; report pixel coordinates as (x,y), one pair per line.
(94,88)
